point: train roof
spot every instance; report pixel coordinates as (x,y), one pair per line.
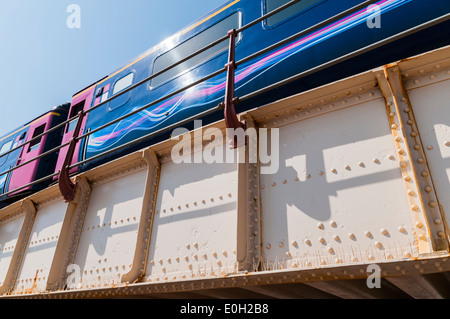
(161,44)
(64,106)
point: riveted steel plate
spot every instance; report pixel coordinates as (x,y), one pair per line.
(108,239)
(40,250)
(338,197)
(431,104)
(195,223)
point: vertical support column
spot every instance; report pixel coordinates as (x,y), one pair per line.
(30,211)
(139,266)
(248,204)
(420,189)
(69,237)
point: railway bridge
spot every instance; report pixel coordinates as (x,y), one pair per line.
(358,206)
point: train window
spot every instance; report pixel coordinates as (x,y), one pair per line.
(195,43)
(35,144)
(123,83)
(298,7)
(75,110)
(6,147)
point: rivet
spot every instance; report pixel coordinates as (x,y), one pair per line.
(406,110)
(384,231)
(288,254)
(394,126)
(188,246)
(401,151)
(322,240)
(351,236)
(417,147)
(284,181)
(336,238)
(321,173)
(441,234)
(414,207)
(410,192)
(320,226)
(410,122)
(333,223)
(424,174)
(268,246)
(429,147)
(376,161)
(447,143)
(392,114)
(401,229)
(307,242)
(407,254)
(294,243)
(361,164)
(420,160)
(196,245)
(378,244)
(432,204)
(334,171)
(437,221)
(406,177)
(281,244)
(367,234)
(418,224)
(330,250)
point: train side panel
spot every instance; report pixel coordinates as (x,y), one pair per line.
(41,166)
(345,36)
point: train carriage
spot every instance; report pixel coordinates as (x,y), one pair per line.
(22,154)
(135,113)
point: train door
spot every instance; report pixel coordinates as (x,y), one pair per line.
(81,101)
(27,173)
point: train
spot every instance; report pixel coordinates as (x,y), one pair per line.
(280,48)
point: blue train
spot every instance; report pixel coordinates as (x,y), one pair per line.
(310,43)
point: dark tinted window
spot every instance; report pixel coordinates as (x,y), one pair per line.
(75,110)
(195,43)
(274,4)
(38,131)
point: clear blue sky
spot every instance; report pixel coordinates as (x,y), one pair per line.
(43,62)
